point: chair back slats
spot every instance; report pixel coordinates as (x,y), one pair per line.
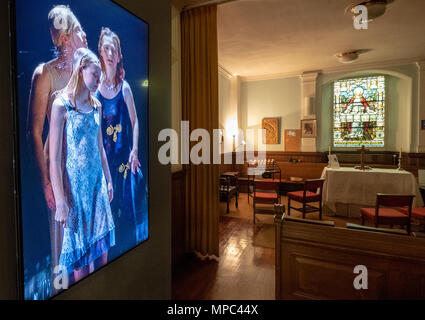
(394,200)
(265,185)
(264,166)
(314,184)
(224,182)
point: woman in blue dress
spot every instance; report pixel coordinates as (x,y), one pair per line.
(83,188)
(120,128)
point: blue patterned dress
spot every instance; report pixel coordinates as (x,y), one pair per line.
(128,205)
(90,229)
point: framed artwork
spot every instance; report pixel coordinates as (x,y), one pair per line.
(308,128)
(81,76)
(271,125)
(359,112)
(292,140)
(422,124)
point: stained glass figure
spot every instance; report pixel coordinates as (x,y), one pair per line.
(359,112)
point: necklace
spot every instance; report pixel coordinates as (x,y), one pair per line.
(64,65)
(110,87)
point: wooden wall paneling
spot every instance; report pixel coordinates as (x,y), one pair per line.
(178,219)
(309,165)
(314,261)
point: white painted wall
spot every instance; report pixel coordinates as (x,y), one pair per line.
(229,105)
(268,99)
(225,109)
(282,98)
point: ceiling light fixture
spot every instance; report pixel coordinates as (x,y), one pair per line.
(375,8)
(347,57)
(350,56)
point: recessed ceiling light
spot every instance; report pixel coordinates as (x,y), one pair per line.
(375,8)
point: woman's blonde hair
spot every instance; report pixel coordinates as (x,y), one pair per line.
(119,75)
(83,57)
(61,21)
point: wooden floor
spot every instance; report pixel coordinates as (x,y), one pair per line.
(245,269)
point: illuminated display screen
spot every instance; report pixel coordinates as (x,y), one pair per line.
(82,116)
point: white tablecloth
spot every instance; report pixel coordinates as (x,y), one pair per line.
(346,190)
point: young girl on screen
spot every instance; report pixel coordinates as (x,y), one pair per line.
(120,129)
(85,189)
(67,36)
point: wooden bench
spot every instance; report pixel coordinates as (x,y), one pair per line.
(315,260)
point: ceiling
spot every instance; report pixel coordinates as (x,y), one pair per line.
(265,37)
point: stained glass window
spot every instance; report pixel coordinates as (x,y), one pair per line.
(359,112)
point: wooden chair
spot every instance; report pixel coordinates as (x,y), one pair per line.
(251,179)
(264,192)
(268,174)
(397,210)
(252,174)
(307,195)
(229,188)
(418,214)
(272,169)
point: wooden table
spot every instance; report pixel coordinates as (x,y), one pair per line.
(231,173)
(346,190)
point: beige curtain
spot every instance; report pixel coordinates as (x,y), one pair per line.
(200,108)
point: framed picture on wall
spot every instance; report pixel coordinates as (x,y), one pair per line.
(81,83)
(308,128)
(271,125)
(292,140)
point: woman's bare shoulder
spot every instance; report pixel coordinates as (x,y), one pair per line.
(126,89)
(126,86)
(59,103)
(40,74)
(45,67)
(52,63)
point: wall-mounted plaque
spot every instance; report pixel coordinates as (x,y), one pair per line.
(271,125)
(292,140)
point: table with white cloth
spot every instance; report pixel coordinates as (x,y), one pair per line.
(346,190)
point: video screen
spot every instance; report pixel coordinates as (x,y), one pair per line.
(82,112)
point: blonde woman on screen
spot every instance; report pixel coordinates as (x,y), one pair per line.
(84,190)
(67,36)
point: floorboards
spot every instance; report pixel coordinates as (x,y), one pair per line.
(246,267)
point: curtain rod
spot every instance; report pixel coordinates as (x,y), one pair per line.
(205,3)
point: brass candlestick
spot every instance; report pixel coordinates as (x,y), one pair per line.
(362,165)
(399,163)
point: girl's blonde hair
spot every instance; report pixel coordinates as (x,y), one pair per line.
(119,76)
(83,57)
(61,21)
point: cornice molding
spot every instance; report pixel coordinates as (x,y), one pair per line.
(421,65)
(310,75)
(419,61)
(223,71)
(271,76)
